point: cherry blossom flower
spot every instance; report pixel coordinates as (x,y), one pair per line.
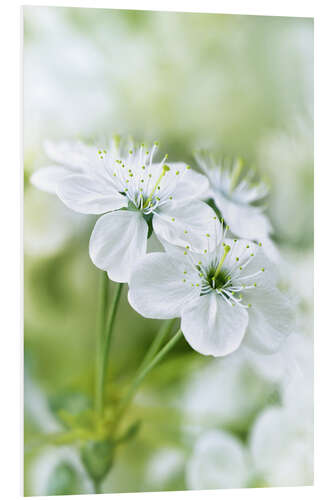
(219,461)
(224,297)
(136,196)
(237,194)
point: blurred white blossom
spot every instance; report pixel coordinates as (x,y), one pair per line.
(282,448)
(57,471)
(235,193)
(165,465)
(224,393)
(219,461)
(281,440)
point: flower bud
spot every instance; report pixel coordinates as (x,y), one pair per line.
(97,457)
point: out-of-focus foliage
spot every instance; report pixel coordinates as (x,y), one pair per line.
(237,84)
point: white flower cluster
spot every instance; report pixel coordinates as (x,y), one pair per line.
(223,288)
(278,447)
(247,421)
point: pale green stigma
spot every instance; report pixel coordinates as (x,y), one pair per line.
(219,267)
(165,169)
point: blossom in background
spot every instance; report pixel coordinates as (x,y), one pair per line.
(224,392)
(139,196)
(279,451)
(281,445)
(58,471)
(235,191)
(223,297)
(165,466)
(219,461)
(281,440)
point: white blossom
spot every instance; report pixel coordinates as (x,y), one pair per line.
(281,440)
(238,196)
(282,447)
(224,392)
(219,461)
(58,460)
(134,195)
(225,296)
(164,466)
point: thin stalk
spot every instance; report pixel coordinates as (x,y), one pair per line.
(157,342)
(106,343)
(103,300)
(143,373)
(97,487)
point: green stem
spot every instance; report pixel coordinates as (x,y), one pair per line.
(97,487)
(106,343)
(143,373)
(157,342)
(103,300)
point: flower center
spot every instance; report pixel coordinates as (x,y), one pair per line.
(219,280)
(219,267)
(165,169)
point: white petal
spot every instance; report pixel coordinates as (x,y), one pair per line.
(245,221)
(225,392)
(271,250)
(271,319)
(189,184)
(118,240)
(47,178)
(192,224)
(219,461)
(212,326)
(252,259)
(74,155)
(86,195)
(156,286)
(164,467)
(282,448)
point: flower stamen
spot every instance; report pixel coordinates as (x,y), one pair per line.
(219,267)
(165,169)
(236,173)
